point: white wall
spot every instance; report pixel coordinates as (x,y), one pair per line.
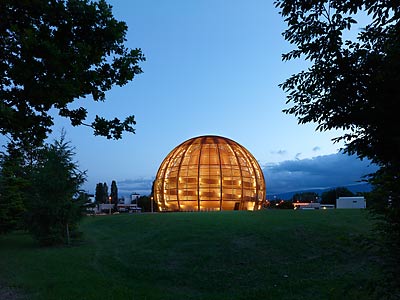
(350,202)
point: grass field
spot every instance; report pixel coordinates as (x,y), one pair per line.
(274,254)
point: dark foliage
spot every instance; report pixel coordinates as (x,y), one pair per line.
(383,201)
(54,207)
(105,193)
(13,183)
(114,193)
(285,205)
(144,202)
(279,204)
(54,52)
(353,85)
(329,197)
(99,196)
(305,197)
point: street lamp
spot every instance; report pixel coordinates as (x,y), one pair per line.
(109,199)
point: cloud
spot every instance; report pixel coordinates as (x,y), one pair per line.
(316,148)
(138,185)
(280,152)
(318,172)
(297,157)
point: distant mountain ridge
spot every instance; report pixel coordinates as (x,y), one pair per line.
(355,188)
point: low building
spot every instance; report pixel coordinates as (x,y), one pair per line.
(351,202)
(306,205)
(134,197)
(128,208)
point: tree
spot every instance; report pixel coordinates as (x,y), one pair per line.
(13,185)
(352,85)
(105,193)
(144,202)
(99,196)
(54,207)
(285,205)
(305,197)
(114,193)
(54,52)
(382,201)
(329,197)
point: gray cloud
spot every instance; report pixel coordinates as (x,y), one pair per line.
(280,152)
(138,185)
(316,148)
(318,172)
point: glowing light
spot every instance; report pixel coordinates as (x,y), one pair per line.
(215,173)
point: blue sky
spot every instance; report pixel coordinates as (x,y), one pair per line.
(213,67)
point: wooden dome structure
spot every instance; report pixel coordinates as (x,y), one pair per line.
(209,173)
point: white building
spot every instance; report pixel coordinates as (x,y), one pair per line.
(306,205)
(351,202)
(134,197)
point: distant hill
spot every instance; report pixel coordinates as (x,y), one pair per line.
(356,188)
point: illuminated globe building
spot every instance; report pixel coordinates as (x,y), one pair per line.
(209,173)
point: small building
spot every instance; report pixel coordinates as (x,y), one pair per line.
(101,208)
(306,205)
(128,208)
(351,202)
(134,197)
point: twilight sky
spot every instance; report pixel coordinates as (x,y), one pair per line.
(213,67)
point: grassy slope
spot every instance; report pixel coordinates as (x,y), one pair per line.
(229,255)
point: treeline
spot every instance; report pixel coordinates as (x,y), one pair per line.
(102,196)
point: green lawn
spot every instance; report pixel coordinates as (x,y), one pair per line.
(230,255)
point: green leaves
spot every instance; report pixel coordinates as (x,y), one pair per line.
(54,52)
(114,193)
(351,84)
(112,129)
(53,204)
(12,187)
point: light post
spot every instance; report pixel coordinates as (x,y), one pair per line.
(109,199)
